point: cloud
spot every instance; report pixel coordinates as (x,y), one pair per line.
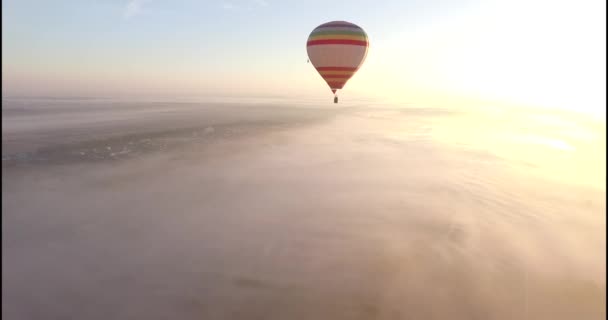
(133,8)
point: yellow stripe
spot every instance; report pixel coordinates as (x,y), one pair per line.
(338,37)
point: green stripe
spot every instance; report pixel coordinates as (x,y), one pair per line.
(337,32)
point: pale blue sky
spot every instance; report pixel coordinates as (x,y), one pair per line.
(496,49)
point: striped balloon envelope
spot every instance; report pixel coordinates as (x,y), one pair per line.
(337,50)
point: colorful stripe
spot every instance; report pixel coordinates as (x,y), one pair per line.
(337,41)
(338,37)
(337,71)
(338,31)
(328,74)
(342,24)
(337,76)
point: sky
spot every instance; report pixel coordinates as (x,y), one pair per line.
(538,52)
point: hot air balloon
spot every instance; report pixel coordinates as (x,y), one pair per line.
(337,49)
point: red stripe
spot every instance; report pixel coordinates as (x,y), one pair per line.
(337,76)
(337,69)
(337,41)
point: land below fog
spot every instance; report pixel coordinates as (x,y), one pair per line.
(133,210)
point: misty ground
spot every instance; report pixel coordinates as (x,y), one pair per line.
(156,210)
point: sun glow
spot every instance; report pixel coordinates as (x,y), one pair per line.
(536,53)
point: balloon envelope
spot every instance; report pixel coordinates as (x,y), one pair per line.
(337,49)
